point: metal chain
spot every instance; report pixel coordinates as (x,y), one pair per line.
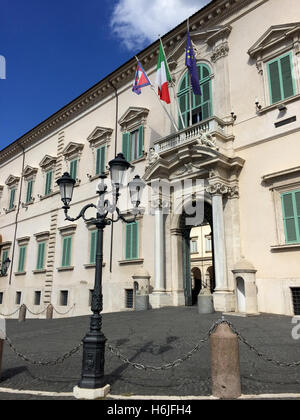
(176,362)
(38,313)
(10,314)
(63,313)
(57,361)
(251,347)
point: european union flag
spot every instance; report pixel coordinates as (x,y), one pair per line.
(190,62)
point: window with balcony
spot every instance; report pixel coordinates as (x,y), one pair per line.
(131,241)
(195,108)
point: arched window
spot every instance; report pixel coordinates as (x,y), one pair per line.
(201,105)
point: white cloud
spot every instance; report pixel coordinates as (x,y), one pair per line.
(138,22)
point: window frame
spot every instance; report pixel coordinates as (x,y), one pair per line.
(22,258)
(48,184)
(66,254)
(295,216)
(129,254)
(133,143)
(29,197)
(278,59)
(181,92)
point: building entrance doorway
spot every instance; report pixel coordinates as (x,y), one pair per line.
(197,258)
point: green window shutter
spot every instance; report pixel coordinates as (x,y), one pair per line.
(287,78)
(131,241)
(29,191)
(66,254)
(12,198)
(291,216)
(41,256)
(93,247)
(4,256)
(48,182)
(21,264)
(274,81)
(126,149)
(73,168)
(140,142)
(134,241)
(100,160)
(128,242)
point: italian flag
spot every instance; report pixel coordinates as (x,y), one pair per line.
(163,76)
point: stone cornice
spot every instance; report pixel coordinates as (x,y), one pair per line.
(213,13)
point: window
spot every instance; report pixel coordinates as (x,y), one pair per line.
(18,298)
(1,298)
(22,255)
(133,144)
(12,198)
(201,105)
(29,191)
(93,246)
(73,168)
(291,216)
(41,256)
(129,298)
(64,298)
(66,251)
(4,257)
(48,184)
(281,81)
(194,246)
(131,241)
(100,160)
(37,298)
(296,299)
(208,244)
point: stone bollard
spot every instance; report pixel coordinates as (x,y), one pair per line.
(22,313)
(49,314)
(225,363)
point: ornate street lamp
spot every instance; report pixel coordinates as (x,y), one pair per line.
(94,341)
(5,267)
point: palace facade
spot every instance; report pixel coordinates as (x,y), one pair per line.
(241,139)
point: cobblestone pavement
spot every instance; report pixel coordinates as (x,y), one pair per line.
(154,337)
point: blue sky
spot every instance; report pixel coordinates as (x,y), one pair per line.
(55,50)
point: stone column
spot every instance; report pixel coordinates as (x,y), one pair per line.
(223,297)
(159,297)
(159,251)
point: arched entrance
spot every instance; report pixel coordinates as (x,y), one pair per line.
(196,284)
(192,288)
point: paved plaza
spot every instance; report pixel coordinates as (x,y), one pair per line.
(153,338)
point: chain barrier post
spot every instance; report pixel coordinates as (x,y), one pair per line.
(49,314)
(22,313)
(225,363)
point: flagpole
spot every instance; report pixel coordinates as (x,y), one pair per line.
(175,96)
(166,111)
(190,81)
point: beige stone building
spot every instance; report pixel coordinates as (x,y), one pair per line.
(241,140)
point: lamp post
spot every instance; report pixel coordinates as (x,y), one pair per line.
(94,341)
(5,267)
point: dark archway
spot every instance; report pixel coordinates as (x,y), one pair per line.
(196,284)
(189,294)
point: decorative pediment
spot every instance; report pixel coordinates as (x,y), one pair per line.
(29,171)
(48,162)
(213,37)
(275,36)
(12,180)
(133,117)
(72,150)
(100,135)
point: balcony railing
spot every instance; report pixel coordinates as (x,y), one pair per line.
(210,125)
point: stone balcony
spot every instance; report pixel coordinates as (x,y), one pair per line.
(212,132)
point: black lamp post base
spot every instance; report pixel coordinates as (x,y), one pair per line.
(92,376)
